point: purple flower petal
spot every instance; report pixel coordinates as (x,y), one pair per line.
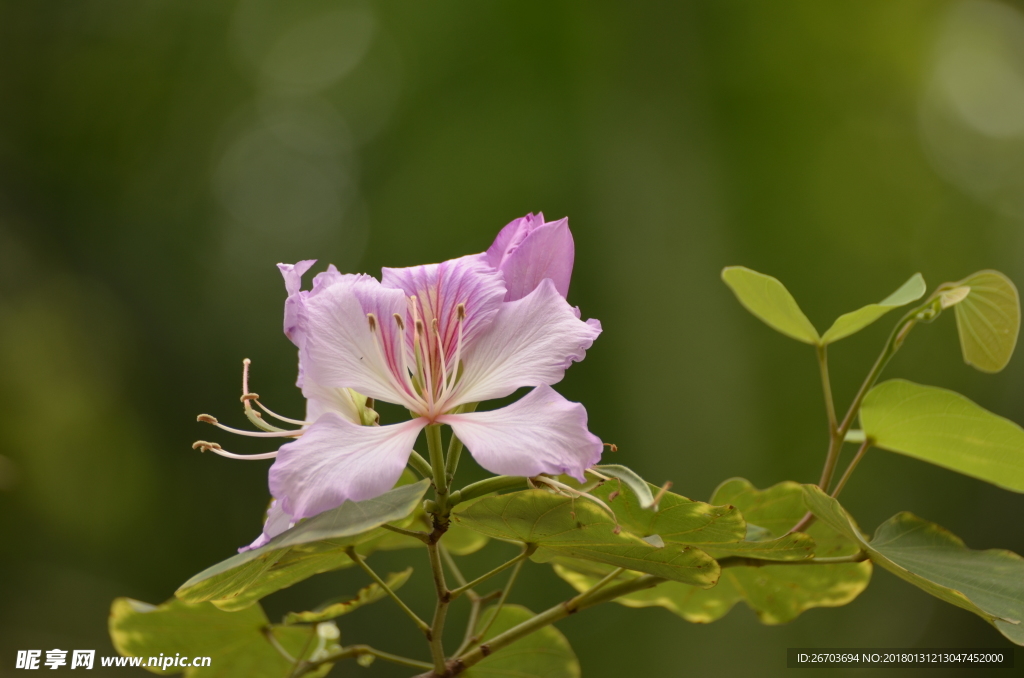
(336,461)
(540,433)
(342,401)
(528,250)
(341,351)
(294,316)
(277,522)
(439,290)
(531,342)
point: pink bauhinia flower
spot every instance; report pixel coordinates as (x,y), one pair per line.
(432,339)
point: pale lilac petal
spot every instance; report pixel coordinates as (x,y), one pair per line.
(341,351)
(292,274)
(528,250)
(294,313)
(531,342)
(342,401)
(336,461)
(440,288)
(277,522)
(540,433)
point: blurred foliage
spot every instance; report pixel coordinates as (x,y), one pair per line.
(158,157)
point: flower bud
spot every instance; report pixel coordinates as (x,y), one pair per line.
(528,250)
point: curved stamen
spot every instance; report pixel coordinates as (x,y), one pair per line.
(207,419)
(572,492)
(390,376)
(440,354)
(406,375)
(277,416)
(204,446)
(460,314)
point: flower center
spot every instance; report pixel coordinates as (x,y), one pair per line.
(427,367)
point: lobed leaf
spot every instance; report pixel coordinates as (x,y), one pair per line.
(988,320)
(632,480)
(542,654)
(855,321)
(946,429)
(677,519)
(233,640)
(370,593)
(579,528)
(313,546)
(776,593)
(770,301)
(987,583)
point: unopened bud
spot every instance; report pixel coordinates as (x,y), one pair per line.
(328,630)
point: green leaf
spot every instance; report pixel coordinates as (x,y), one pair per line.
(629,477)
(947,429)
(769,300)
(370,593)
(987,583)
(579,528)
(677,519)
(776,593)
(233,640)
(542,654)
(988,320)
(313,546)
(855,321)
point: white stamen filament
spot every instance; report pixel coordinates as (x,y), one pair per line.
(204,446)
(277,416)
(400,388)
(207,419)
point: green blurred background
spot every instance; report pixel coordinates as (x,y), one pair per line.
(158,157)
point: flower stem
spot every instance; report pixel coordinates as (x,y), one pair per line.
(358,560)
(743,561)
(436,631)
(420,465)
(415,534)
(451,462)
(437,467)
(479,489)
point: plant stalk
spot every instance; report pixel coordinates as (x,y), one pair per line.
(358,560)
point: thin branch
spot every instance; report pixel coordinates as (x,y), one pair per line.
(472,637)
(358,560)
(305,667)
(415,534)
(527,552)
(849,469)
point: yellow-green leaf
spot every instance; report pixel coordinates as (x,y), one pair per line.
(987,583)
(234,641)
(769,300)
(855,321)
(311,547)
(579,528)
(370,593)
(946,429)
(988,320)
(776,593)
(542,654)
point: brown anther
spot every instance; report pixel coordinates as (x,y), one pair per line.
(249,396)
(373,321)
(203,446)
(613,495)
(612,447)
(434,325)
(460,311)
(206,419)
(617,530)
(419,327)
(399,321)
